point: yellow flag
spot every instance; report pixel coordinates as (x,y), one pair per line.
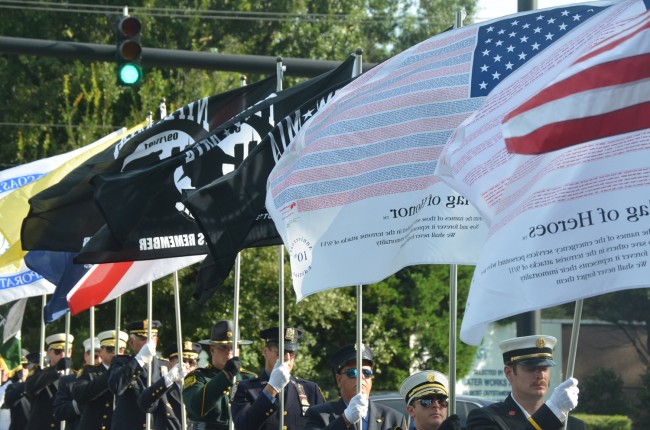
(14,207)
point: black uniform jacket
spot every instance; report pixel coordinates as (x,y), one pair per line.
(127,380)
(19,406)
(329,416)
(40,388)
(507,415)
(92,395)
(64,406)
(252,410)
(164,403)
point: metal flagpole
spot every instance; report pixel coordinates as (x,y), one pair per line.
(358,66)
(237,283)
(179,342)
(92,333)
(453,316)
(149,334)
(65,352)
(280,76)
(573,347)
(41,358)
(118,312)
(453,302)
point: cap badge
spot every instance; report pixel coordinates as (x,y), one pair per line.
(540,342)
(290,334)
(431,377)
(187,345)
(229,334)
(145,325)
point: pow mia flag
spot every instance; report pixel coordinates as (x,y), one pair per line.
(230,211)
(63,216)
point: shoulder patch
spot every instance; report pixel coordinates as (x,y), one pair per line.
(233,391)
(189,381)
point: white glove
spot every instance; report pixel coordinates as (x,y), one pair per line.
(175,374)
(146,354)
(279,376)
(564,398)
(357,409)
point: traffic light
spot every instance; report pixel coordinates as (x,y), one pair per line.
(129,51)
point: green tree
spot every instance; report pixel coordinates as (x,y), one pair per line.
(602,393)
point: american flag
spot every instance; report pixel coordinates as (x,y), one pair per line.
(359,179)
(604,93)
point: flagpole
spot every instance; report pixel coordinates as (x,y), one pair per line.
(92,333)
(237,283)
(358,69)
(149,334)
(280,75)
(179,342)
(41,358)
(453,315)
(573,347)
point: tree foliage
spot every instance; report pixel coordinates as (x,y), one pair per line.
(53,106)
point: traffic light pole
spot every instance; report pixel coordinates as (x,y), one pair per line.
(168,58)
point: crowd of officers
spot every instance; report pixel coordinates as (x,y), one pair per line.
(117,391)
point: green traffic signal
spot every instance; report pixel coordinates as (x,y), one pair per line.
(129,74)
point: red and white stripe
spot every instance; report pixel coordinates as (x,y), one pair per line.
(604,93)
(105,282)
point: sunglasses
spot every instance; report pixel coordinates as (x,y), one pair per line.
(352,373)
(427,401)
(109,349)
(57,351)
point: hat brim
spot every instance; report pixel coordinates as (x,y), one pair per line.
(537,362)
(224,342)
(288,346)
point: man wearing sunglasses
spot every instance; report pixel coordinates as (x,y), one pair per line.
(353,407)
(42,384)
(90,391)
(426,394)
(527,366)
(65,407)
(205,391)
(255,403)
(164,398)
(128,375)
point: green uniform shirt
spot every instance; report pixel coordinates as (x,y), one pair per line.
(206,394)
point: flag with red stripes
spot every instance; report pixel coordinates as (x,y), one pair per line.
(604,93)
(105,282)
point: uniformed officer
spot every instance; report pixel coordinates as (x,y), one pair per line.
(426,394)
(164,398)
(255,402)
(128,375)
(15,400)
(205,391)
(90,391)
(353,407)
(42,384)
(65,407)
(527,366)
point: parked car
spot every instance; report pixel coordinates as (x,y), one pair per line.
(464,404)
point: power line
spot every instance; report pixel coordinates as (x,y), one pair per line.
(204,14)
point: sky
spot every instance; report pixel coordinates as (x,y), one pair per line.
(489,9)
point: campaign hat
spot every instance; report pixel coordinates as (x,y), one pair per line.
(141,328)
(422,383)
(292,336)
(191,350)
(223,333)
(534,351)
(107,338)
(347,354)
(57,341)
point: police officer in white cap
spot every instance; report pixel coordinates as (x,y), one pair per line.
(42,384)
(427,397)
(527,365)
